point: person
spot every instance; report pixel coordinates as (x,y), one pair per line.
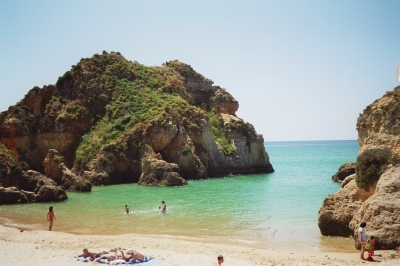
(133,256)
(220,259)
(51,217)
(370,247)
(1,184)
(127,210)
(362,238)
(140,257)
(92,255)
(163,207)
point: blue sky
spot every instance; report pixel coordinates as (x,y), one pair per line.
(301,70)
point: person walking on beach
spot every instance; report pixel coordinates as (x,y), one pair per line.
(51,217)
(127,210)
(163,208)
(363,238)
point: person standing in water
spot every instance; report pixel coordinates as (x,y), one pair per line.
(163,208)
(127,210)
(51,217)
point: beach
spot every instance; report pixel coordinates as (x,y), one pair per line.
(40,247)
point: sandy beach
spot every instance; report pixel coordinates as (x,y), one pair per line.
(38,247)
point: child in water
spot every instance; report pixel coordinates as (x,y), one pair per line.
(163,207)
(127,210)
(51,217)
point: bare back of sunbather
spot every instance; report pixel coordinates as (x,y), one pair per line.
(140,256)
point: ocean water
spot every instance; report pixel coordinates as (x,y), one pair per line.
(277,210)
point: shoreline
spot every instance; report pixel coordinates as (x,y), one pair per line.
(56,248)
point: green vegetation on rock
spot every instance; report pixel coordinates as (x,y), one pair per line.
(371,164)
(137,93)
(219,135)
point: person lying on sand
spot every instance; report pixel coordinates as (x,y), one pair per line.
(92,255)
(133,255)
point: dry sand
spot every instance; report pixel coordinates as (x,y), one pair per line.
(35,247)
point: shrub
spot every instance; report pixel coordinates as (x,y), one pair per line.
(58,159)
(219,136)
(24,166)
(185,150)
(16,168)
(370,165)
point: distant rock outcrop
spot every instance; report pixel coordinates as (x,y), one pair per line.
(372,194)
(107,115)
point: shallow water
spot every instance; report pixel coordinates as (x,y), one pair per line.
(277,210)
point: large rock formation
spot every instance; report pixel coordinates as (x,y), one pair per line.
(31,186)
(55,169)
(339,209)
(377,179)
(107,114)
(381,212)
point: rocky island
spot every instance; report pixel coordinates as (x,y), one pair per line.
(111,121)
(372,193)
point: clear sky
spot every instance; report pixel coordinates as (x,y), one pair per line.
(301,70)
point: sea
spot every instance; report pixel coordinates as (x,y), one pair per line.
(269,211)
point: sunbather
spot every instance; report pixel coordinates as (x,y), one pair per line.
(92,255)
(132,255)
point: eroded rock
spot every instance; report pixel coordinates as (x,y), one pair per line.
(344,171)
(50,193)
(338,209)
(159,172)
(381,212)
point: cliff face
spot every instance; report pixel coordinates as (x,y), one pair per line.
(111,118)
(373,194)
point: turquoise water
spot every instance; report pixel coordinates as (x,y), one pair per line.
(277,210)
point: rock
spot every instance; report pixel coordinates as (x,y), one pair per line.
(30,195)
(50,193)
(378,172)
(57,171)
(161,173)
(64,117)
(36,179)
(97,178)
(12,195)
(72,182)
(52,167)
(344,171)
(381,212)
(338,209)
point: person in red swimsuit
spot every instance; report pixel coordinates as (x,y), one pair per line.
(51,217)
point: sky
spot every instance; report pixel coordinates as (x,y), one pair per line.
(300,70)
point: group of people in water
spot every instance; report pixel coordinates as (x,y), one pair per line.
(51,216)
(162,208)
(114,256)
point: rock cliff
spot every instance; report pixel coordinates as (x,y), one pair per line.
(372,194)
(116,121)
